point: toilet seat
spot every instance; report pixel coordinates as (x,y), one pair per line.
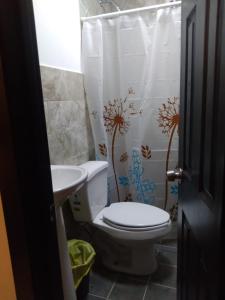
(130,234)
(134,216)
(161,226)
(139,231)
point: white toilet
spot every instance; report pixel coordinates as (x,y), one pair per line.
(135,226)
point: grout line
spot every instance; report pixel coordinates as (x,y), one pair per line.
(166,286)
(166,247)
(169,247)
(147,284)
(61,69)
(100,297)
(114,283)
(145,292)
(168,265)
(60,100)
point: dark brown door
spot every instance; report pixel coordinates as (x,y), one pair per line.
(25,178)
(202,151)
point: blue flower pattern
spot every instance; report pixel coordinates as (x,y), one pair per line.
(124,180)
(110,190)
(174,189)
(97,157)
(143,187)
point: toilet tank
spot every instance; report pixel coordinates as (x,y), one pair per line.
(92,197)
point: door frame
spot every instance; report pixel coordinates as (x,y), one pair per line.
(25,177)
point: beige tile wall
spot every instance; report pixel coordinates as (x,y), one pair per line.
(92,7)
(69,132)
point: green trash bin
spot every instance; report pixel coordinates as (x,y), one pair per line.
(82,256)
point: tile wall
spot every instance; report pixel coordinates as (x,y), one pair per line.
(92,7)
(68,127)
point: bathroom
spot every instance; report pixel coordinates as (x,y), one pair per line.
(76,134)
(124,140)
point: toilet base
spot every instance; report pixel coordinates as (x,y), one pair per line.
(131,257)
(142,261)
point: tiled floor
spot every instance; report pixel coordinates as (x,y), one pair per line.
(105,284)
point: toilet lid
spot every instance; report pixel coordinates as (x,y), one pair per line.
(135,215)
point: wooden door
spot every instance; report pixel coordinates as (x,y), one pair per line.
(202,151)
(25,177)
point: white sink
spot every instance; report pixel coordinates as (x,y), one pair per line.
(65,180)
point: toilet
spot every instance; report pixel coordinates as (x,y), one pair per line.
(131,225)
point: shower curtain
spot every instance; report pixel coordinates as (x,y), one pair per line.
(131,67)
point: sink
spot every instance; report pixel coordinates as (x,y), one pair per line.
(65,180)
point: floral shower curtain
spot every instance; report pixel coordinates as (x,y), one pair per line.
(131,69)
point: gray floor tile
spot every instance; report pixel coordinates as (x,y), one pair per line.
(157,292)
(166,256)
(164,247)
(128,288)
(165,275)
(169,242)
(128,277)
(101,282)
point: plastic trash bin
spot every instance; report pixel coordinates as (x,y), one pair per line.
(82,256)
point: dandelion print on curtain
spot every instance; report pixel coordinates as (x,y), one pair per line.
(131,69)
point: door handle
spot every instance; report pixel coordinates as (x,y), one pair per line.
(175,174)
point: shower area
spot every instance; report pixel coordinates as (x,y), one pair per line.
(131,65)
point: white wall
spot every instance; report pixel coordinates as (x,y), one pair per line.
(58,33)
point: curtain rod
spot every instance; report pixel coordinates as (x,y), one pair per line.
(123,12)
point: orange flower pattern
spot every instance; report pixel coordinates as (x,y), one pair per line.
(146,151)
(169,122)
(169,115)
(116,120)
(102,149)
(124,157)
